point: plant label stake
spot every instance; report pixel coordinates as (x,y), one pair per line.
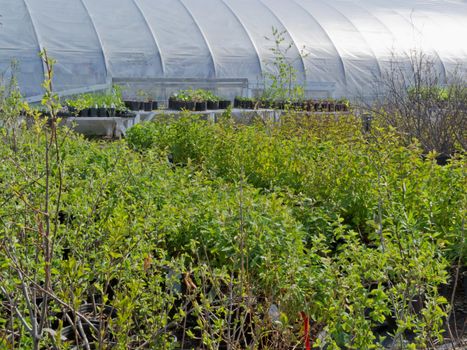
(306,330)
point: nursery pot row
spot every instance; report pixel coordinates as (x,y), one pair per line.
(141,106)
(245,104)
(309,106)
(187,105)
(197,106)
(97,112)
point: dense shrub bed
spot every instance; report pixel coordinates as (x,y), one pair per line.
(225,236)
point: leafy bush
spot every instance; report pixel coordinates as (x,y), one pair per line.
(247,226)
(111,99)
(198,95)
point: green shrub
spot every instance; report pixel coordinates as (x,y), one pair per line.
(310,215)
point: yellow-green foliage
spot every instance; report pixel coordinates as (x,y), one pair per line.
(309,215)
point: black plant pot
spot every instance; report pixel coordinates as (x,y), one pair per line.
(96,314)
(224,104)
(281,105)
(96,310)
(111,112)
(187,105)
(128,104)
(71,109)
(84,112)
(135,105)
(63,114)
(102,112)
(190,106)
(91,335)
(212,105)
(200,106)
(155,105)
(237,103)
(246,104)
(121,113)
(172,103)
(147,106)
(93,112)
(297,106)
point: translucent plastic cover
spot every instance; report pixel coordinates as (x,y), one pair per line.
(341,46)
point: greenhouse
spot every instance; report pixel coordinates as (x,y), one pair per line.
(337,47)
(233,174)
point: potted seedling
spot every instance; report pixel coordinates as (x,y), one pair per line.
(244,102)
(141,97)
(212,101)
(224,104)
(147,104)
(73,107)
(133,105)
(346,104)
(101,106)
(237,101)
(77,107)
(85,102)
(266,103)
(171,104)
(93,111)
(248,103)
(108,101)
(199,98)
(324,105)
(185,101)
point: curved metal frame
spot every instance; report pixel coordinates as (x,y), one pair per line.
(412,25)
(211,53)
(138,7)
(434,50)
(359,33)
(36,34)
(329,37)
(104,56)
(260,64)
(290,34)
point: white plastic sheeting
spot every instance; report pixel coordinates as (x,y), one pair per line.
(339,47)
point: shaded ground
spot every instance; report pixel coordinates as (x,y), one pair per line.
(456,328)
